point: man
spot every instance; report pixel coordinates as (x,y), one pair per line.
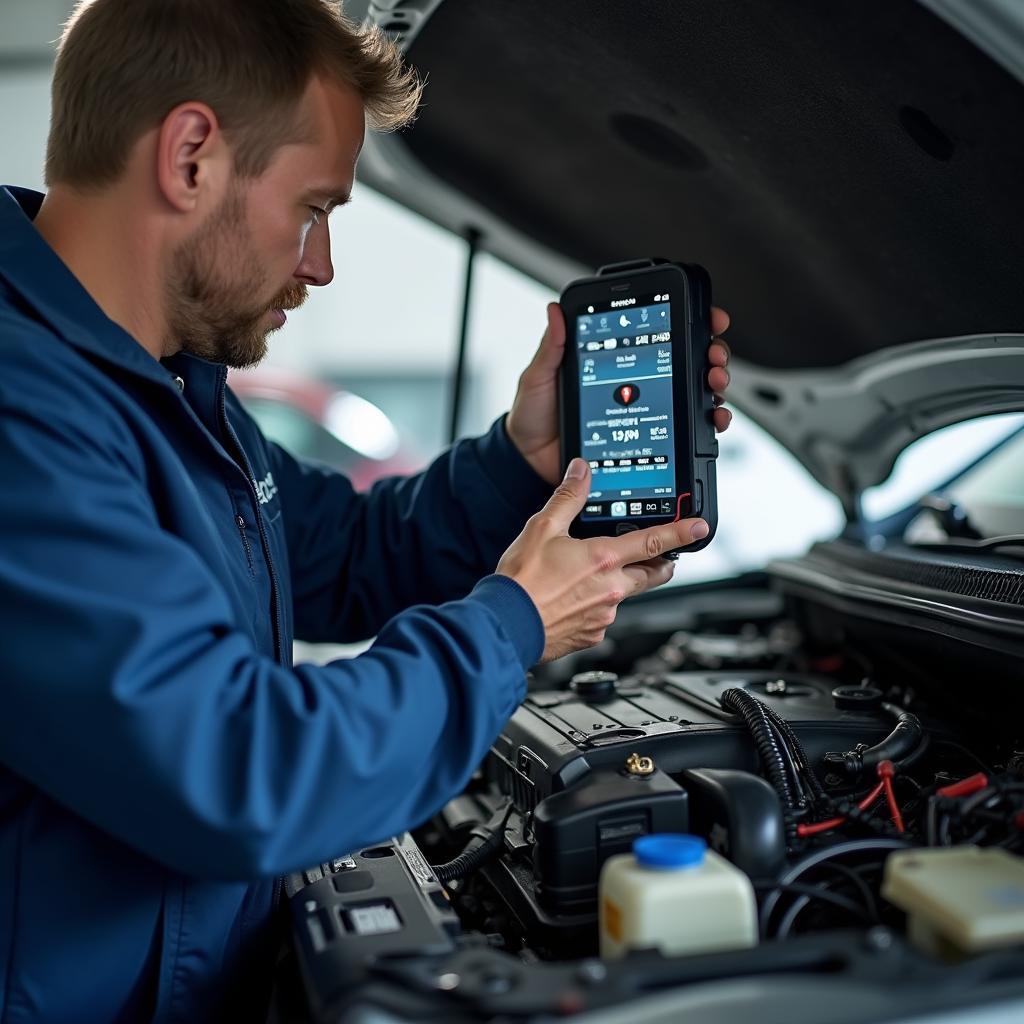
(161,760)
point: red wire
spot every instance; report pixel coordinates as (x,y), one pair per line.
(831,823)
(886,771)
(973,783)
(894,808)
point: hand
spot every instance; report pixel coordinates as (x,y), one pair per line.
(577,585)
(532,423)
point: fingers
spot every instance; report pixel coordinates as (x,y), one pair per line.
(719,321)
(718,379)
(643,545)
(719,353)
(548,356)
(650,574)
(569,497)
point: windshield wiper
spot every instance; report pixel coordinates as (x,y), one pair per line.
(952,517)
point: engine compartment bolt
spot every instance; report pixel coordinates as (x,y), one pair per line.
(638,765)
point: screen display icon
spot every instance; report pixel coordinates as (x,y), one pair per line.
(626,394)
(618,508)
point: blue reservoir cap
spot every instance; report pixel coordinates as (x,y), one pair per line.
(669,851)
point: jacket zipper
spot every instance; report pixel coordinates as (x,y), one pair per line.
(240,522)
(243,462)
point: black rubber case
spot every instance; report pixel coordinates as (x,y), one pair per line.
(696,447)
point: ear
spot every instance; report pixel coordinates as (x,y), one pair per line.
(192,157)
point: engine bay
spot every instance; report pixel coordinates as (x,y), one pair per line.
(804,762)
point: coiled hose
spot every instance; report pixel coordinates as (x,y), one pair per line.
(755,715)
(484,844)
(799,755)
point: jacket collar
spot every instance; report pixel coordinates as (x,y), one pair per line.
(33,270)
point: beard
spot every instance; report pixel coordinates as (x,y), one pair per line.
(214,275)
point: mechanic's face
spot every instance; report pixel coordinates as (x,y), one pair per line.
(268,240)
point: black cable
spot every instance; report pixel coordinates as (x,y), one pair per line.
(792,769)
(943,811)
(862,887)
(484,844)
(753,713)
(800,755)
(848,848)
(814,892)
(931,833)
(944,839)
(975,839)
(798,907)
(850,810)
(960,748)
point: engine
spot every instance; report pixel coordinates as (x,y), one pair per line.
(579,774)
(799,768)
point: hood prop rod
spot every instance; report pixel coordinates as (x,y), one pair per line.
(473,237)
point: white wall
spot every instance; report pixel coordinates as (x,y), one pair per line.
(24,121)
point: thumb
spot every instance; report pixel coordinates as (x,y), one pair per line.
(570,496)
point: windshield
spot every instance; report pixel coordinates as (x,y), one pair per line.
(930,464)
(991,493)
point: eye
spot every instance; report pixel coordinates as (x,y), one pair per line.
(315,213)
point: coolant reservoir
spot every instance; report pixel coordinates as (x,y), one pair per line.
(674,893)
(960,900)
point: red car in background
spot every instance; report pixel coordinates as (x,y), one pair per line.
(318,421)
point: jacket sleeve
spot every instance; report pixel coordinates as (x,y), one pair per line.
(131,698)
(358,559)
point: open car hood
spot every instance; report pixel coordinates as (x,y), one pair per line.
(850,175)
(847,425)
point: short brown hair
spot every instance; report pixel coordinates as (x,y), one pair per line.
(123,65)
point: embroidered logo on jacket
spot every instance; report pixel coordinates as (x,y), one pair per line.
(265,488)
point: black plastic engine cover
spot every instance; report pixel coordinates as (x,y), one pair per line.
(557,738)
(577,830)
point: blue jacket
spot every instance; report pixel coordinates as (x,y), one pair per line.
(161,759)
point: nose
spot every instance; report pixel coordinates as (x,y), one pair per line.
(315,267)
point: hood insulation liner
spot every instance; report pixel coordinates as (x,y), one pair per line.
(850,172)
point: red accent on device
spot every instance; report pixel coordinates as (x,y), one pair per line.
(679,506)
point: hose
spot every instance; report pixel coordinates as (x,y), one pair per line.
(820,856)
(484,844)
(900,745)
(803,762)
(800,794)
(754,714)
